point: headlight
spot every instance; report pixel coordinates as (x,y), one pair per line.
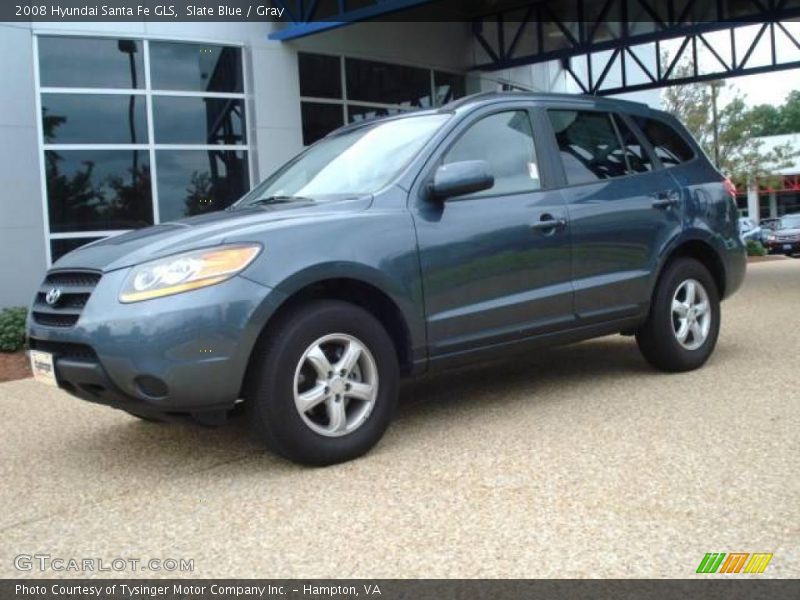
(187,271)
(771,238)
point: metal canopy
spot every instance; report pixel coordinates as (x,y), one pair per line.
(606,46)
(595,38)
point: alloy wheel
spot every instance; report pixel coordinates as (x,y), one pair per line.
(335,385)
(691,314)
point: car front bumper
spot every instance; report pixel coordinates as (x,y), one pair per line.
(792,247)
(184,353)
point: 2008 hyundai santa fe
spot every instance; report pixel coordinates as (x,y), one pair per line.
(498,223)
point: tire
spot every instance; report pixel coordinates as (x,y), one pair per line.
(357,407)
(658,338)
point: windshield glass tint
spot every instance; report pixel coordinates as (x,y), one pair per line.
(790,222)
(357,162)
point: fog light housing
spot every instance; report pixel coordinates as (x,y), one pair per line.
(152,387)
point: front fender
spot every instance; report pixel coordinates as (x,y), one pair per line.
(375,247)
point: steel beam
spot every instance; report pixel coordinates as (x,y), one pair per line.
(669,19)
(657,74)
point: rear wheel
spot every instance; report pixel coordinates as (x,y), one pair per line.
(324,384)
(682,328)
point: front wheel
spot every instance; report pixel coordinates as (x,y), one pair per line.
(682,328)
(324,383)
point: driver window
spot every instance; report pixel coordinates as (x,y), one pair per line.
(505,141)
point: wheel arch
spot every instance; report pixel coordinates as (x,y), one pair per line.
(702,249)
(361,291)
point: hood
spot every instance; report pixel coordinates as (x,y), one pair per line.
(791,231)
(202,231)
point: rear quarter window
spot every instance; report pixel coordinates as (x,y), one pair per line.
(668,145)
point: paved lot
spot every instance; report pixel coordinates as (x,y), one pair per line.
(582,462)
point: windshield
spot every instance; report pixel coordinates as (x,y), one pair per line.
(790,222)
(357,162)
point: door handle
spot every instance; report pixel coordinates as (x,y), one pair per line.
(547,223)
(666,199)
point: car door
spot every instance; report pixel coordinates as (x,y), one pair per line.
(495,264)
(623,209)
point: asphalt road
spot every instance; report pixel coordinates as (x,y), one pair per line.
(578,462)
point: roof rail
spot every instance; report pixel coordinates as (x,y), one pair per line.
(470,98)
(535,96)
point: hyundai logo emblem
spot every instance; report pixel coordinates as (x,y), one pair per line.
(53,296)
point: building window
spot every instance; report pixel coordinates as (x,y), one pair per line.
(91,63)
(192,182)
(320,76)
(448,87)
(196,67)
(320,119)
(335,90)
(98,190)
(137,132)
(376,82)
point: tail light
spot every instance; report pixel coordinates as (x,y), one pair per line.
(730,187)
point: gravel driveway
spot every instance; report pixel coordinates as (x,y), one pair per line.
(575,462)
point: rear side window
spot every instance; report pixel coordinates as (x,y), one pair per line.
(505,141)
(639,160)
(667,143)
(589,146)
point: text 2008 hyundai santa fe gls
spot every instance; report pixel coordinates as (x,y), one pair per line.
(498,223)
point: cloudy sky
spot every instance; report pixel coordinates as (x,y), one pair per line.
(768,88)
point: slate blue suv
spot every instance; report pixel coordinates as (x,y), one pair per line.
(409,244)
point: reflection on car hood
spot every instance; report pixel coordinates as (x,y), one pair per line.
(201,231)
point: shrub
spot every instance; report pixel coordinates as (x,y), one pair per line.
(755,248)
(12,329)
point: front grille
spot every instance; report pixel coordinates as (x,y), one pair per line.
(75,286)
(792,237)
(80,352)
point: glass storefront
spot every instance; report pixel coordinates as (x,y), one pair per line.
(137,132)
(335,90)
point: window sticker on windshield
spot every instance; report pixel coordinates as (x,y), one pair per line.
(533,171)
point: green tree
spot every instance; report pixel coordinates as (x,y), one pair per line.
(741,156)
(771,120)
(790,113)
(767,120)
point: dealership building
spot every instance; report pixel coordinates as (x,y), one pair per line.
(108,127)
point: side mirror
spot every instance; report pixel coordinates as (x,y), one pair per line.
(459,178)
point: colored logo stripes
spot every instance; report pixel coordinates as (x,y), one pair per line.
(734,562)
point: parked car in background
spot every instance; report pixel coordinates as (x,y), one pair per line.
(785,238)
(497,224)
(770,224)
(748,230)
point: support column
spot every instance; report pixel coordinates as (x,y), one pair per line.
(753,210)
(773,204)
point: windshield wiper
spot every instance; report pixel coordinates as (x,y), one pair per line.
(278,200)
